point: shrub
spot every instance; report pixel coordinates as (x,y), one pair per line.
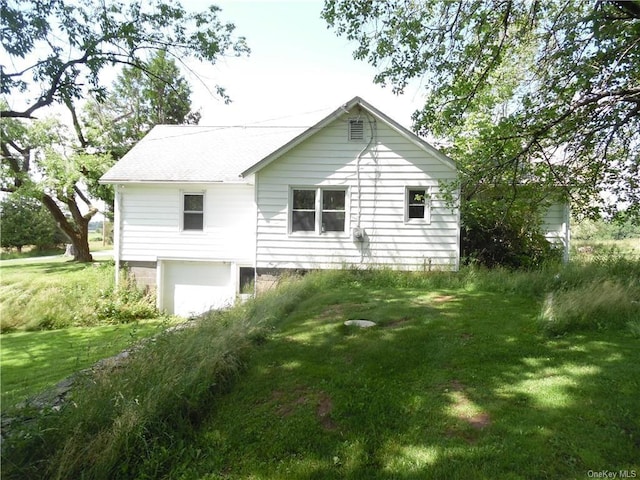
(25,221)
(125,304)
(495,233)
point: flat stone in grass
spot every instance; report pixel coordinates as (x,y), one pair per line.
(360,323)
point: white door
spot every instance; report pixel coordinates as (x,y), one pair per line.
(191,288)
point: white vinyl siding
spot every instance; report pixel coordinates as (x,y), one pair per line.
(151,223)
(556,226)
(376,196)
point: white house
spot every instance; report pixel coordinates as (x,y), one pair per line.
(200,211)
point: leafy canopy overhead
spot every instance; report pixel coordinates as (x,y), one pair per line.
(59,48)
(524,91)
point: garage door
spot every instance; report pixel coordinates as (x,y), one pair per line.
(191,288)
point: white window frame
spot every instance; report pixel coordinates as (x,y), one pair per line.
(183,211)
(317,231)
(426,219)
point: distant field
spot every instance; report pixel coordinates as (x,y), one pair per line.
(628,247)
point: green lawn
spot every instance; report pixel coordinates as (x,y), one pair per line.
(449,384)
(458,379)
(34,361)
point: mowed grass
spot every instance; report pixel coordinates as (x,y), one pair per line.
(458,379)
(449,384)
(36,361)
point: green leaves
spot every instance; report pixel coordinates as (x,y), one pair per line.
(92,35)
(523,91)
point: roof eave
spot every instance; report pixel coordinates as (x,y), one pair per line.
(167,182)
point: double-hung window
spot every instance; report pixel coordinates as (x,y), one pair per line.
(318,210)
(303,211)
(417,205)
(193,211)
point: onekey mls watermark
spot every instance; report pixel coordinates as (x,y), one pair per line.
(612,474)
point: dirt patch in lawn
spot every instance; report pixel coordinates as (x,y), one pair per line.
(443,298)
(323,411)
(465,410)
(287,403)
(397,323)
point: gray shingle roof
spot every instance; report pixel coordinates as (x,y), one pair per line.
(188,153)
(199,154)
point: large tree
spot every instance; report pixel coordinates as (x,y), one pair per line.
(41,160)
(58,51)
(136,102)
(524,92)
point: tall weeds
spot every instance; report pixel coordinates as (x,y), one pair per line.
(59,295)
(602,294)
(130,422)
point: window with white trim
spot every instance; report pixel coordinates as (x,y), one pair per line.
(417,205)
(193,211)
(318,210)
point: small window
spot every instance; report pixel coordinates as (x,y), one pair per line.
(356,129)
(193,211)
(303,212)
(417,204)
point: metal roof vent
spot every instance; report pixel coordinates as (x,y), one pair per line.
(356,129)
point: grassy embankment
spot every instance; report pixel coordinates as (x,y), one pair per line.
(483,374)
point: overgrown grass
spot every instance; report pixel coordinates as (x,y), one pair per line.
(602,294)
(149,407)
(456,379)
(58,294)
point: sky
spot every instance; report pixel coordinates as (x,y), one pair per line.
(297,65)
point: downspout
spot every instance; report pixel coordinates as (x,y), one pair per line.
(255,249)
(358,160)
(117,219)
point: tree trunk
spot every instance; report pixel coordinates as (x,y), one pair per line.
(77,232)
(81,249)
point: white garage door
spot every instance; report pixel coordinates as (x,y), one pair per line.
(191,288)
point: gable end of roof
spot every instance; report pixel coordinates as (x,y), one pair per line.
(346,108)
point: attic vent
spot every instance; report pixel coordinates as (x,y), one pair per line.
(356,129)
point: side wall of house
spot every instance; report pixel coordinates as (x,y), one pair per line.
(556,226)
(150,226)
(376,179)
